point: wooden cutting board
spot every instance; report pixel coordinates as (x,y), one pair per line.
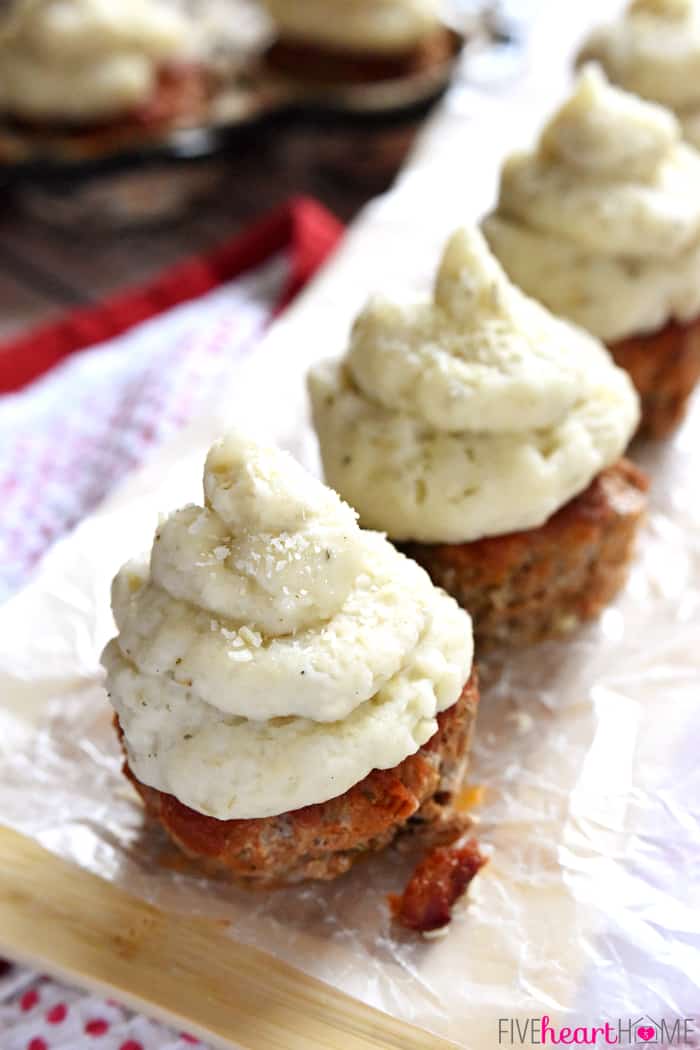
(185,971)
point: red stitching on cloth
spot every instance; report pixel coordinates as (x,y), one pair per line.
(302,226)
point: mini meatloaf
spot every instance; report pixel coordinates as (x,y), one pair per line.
(334,41)
(664,367)
(84,63)
(485,436)
(324,840)
(525,586)
(181,93)
(600,221)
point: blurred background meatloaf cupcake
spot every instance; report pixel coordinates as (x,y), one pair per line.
(291,692)
(486,437)
(78,63)
(654,51)
(365,40)
(601,223)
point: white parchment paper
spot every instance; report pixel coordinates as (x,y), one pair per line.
(586,750)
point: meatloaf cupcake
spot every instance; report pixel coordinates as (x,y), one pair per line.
(486,436)
(601,223)
(80,63)
(654,51)
(367,40)
(291,692)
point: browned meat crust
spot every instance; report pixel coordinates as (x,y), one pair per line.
(438,882)
(526,586)
(308,62)
(322,841)
(664,367)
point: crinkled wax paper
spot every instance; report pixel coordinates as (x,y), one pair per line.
(586,749)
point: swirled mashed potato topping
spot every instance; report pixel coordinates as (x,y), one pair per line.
(373,26)
(472,415)
(654,51)
(85,59)
(271,653)
(601,222)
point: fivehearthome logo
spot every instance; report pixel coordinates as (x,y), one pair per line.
(623,1031)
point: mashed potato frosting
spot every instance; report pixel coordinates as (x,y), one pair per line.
(601,222)
(270,653)
(373,26)
(85,59)
(654,51)
(474,414)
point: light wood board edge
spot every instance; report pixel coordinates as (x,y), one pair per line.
(185,971)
